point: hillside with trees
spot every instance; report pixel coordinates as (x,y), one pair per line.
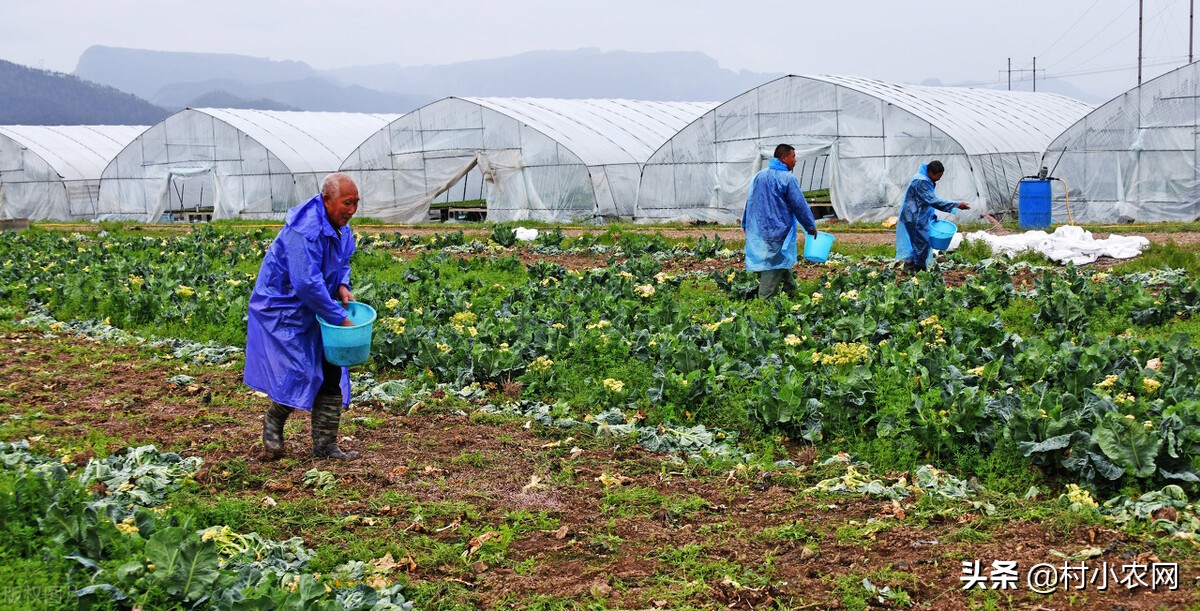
(39,97)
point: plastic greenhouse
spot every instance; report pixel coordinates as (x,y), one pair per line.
(1135,156)
(53,172)
(860,138)
(230,163)
(528,158)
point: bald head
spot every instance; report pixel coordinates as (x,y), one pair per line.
(340,195)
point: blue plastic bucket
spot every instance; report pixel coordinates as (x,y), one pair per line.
(1033,203)
(940,234)
(347,346)
(817,249)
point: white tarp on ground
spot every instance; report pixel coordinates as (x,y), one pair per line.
(47,171)
(236,162)
(1137,155)
(860,138)
(1068,244)
(540,159)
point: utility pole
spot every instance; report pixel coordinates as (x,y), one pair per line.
(1010,72)
(1140,3)
(1191,27)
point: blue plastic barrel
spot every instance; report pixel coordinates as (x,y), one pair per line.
(1033,203)
(347,346)
(817,249)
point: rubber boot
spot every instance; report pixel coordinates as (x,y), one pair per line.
(273,430)
(326,418)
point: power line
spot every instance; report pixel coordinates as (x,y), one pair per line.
(1099,32)
(1070,28)
(1116,42)
(1059,75)
(1163,62)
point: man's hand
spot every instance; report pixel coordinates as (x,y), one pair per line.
(344,296)
(813,233)
(964,206)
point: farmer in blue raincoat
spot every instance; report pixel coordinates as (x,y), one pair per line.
(916,216)
(305,274)
(773,208)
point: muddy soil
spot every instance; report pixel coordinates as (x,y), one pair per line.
(705,549)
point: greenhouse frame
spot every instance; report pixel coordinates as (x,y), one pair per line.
(53,172)
(528,158)
(860,138)
(226,163)
(1136,156)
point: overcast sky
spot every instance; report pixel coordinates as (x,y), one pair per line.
(1091,43)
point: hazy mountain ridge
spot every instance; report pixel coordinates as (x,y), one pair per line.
(314,94)
(582,73)
(223,99)
(29,96)
(143,73)
(174,79)
(171,81)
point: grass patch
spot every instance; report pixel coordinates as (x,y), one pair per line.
(629,501)
(795,531)
(473,458)
(882,587)
(861,534)
(1161,256)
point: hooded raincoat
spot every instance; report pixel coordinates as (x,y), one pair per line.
(916,217)
(297,282)
(773,208)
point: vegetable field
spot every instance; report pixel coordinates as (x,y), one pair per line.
(601,421)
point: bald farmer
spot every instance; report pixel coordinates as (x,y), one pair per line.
(305,274)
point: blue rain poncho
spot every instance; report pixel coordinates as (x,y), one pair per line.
(916,218)
(297,282)
(773,208)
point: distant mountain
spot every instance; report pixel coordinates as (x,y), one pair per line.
(224,99)
(305,94)
(582,73)
(175,79)
(38,97)
(144,73)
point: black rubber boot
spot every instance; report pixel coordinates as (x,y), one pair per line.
(326,418)
(273,430)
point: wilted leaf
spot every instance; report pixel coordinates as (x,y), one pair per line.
(613,480)
(535,483)
(386,564)
(453,524)
(477,542)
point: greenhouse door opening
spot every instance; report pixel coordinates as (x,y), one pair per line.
(190,197)
(463,197)
(814,171)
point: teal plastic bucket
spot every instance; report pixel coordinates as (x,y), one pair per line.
(817,249)
(940,233)
(1033,203)
(348,346)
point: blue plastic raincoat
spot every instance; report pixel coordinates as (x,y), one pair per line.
(297,282)
(773,208)
(916,217)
